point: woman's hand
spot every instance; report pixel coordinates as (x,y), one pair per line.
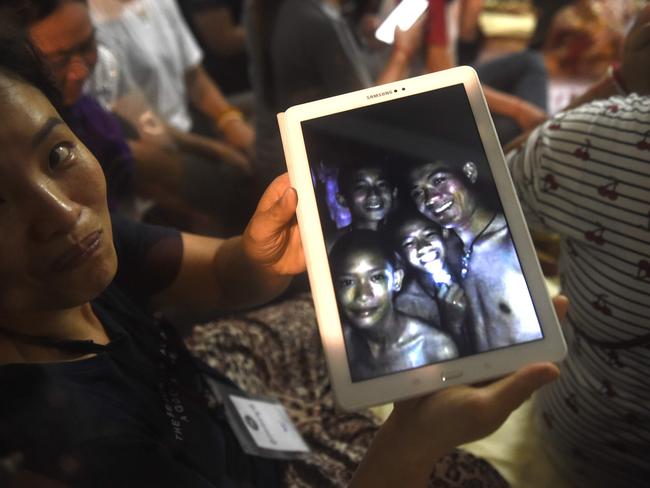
(272,238)
(428,427)
(463,414)
(227,154)
(422,430)
(407,42)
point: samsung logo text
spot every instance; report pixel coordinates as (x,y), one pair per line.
(377,95)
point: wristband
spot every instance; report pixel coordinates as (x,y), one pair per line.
(614,73)
(227,116)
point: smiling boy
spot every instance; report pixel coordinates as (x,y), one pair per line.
(368,193)
(379,339)
(434,295)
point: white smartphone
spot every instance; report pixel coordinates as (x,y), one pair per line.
(421,266)
(404,15)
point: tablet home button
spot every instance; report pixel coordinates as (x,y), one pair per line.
(451,375)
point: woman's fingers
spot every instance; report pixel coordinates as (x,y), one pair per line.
(507,394)
(561,305)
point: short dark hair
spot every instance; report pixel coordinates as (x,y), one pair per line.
(362,239)
(27,12)
(21,61)
(406,212)
(439,164)
(348,171)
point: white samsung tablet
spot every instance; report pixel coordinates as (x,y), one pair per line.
(421,266)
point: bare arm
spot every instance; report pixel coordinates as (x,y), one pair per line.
(156,165)
(429,427)
(604,88)
(219,32)
(206,96)
(525,114)
(243,271)
(406,45)
(634,71)
(470,10)
(209,148)
(438,58)
(395,69)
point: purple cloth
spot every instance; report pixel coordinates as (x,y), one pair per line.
(100,132)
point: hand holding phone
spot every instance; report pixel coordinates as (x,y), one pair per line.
(403,16)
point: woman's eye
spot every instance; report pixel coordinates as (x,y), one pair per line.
(61,153)
(416,193)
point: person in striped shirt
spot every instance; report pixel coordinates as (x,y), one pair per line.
(585,174)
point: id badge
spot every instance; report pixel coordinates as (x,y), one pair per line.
(260,424)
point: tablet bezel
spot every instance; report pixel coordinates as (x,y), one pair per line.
(467,369)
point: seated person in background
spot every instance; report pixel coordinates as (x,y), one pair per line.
(470,37)
(380,339)
(303,50)
(104,394)
(544,10)
(70,62)
(585,37)
(217,25)
(595,423)
(366,191)
(153,43)
(434,295)
(62,30)
(493,285)
(515,85)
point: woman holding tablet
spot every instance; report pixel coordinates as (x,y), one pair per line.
(87,373)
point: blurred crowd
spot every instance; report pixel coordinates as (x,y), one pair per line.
(177,100)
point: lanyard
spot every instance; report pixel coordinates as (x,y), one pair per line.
(71,346)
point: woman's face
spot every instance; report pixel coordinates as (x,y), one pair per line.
(66,38)
(56,248)
(421,245)
(441,196)
(365,284)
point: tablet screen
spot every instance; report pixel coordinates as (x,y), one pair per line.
(422,261)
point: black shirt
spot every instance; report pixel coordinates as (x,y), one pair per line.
(230,72)
(137,413)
